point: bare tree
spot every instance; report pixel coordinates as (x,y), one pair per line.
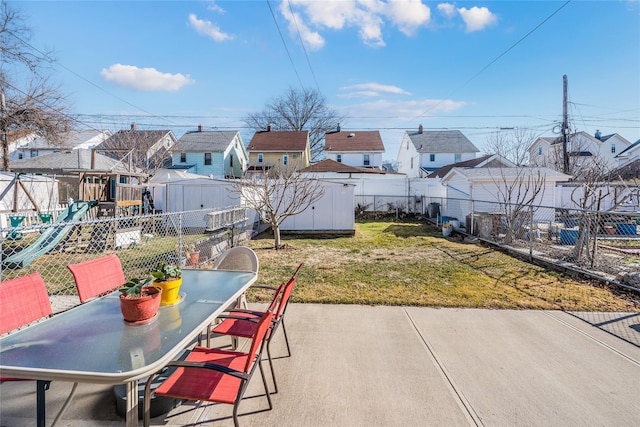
(278,194)
(513,145)
(298,110)
(36,105)
(517,189)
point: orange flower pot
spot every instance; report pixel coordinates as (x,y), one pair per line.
(137,309)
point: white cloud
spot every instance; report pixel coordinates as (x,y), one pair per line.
(366,90)
(408,15)
(214,7)
(206,28)
(447,9)
(144,79)
(312,39)
(477,18)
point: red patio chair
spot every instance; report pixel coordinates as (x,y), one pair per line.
(98,276)
(24,300)
(236,324)
(214,375)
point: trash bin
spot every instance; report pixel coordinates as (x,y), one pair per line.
(433,210)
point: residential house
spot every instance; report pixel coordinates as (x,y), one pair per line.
(583,149)
(629,155)
(17,139)
(146,150)
(355,148)
(216,154)
(269,148)
(423,152)
(40,146)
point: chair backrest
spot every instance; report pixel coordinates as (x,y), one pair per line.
(97,276)
(258,339)
(286,293)
(238,258)
(22,301)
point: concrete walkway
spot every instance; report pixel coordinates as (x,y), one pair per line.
(408,366)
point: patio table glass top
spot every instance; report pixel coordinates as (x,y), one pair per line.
(92,342)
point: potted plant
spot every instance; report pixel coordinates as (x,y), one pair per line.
(139,299)
(192,255)
(447,228)
(169,278)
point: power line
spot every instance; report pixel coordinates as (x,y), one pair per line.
(285,44)
(295,21)
(498,57)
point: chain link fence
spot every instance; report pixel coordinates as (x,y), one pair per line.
(604,243)
(190,239)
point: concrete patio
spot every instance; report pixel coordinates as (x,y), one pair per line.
(400,366)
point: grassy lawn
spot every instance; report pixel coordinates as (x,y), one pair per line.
(392,263)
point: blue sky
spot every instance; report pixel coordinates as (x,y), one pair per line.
(389,65)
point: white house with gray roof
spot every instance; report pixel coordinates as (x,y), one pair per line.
(72,140)
(216,154)
(423,152)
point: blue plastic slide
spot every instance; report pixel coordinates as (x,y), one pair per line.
(51,236)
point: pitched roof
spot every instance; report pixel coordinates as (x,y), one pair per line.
(68,161)
(439,173)
(498,173)
(442,141)
(286,140)
(205,141)
(627,172)
(629,148)
(127,139)
(329,165)
(368,140)
(67,140)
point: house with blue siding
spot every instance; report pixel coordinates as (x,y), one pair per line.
(217,154)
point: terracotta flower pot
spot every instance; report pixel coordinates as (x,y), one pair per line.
(137,309)
(193,259)
(170,291)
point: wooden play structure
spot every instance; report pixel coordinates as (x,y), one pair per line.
(118,194)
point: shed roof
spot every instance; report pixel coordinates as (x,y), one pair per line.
(507,173)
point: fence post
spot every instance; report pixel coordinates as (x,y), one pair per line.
(472,215)
(531,232)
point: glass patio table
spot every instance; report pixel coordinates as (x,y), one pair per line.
(91,343)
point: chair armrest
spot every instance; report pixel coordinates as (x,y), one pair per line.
(248,319)
(246,311)
(211,366)
(264,287)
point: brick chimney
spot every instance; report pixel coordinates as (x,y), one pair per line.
(268,128)
(133,126)
(420,129)
(338,127)
(199,128)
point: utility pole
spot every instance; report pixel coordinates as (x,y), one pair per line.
(3,133)
(565,127)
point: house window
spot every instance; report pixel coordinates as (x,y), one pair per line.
(539,150)
(230,161)
(412,163)
(260,158)
(432,157)
(34,153)
(285,160)
(366,160)
(457,158)
(339,158)
(613,148)
(207,159)
(20,156)
(183,157)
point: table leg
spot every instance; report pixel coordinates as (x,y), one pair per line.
(41,388)
(132,404)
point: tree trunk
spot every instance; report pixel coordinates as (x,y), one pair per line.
(276,236)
